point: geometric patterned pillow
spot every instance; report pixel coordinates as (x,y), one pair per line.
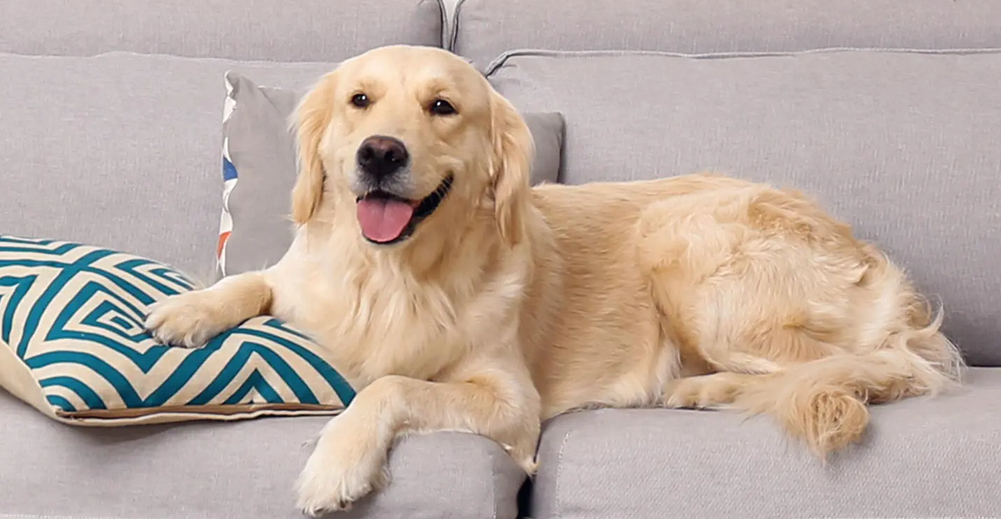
(73,345)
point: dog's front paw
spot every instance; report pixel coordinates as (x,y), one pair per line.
(187,320)
(343,468)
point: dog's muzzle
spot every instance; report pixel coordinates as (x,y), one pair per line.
(386,218)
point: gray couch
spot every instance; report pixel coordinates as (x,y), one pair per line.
(888,112)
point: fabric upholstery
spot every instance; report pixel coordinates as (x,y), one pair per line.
(483,29)
(902,145)
(121,150)
(260,168)
(933,457)
(304,30)
(237,469)
(73,319)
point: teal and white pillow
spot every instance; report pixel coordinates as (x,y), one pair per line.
(72,344)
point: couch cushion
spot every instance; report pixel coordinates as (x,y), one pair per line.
(121,150)
(238,469)
(260,167)
(483,29)
(304,30)
(903,145)
(934,457)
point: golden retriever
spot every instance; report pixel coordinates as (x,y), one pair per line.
(458,298)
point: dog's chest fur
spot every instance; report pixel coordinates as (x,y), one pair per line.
(384,321)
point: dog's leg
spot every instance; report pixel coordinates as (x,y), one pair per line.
(349,460)
(743,352)
(192,318)
(707,391)
(799,321)
(685,243)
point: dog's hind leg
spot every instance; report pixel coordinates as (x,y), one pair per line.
(727,289)
(723,286)
(798,320)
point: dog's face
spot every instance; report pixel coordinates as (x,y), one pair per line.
(403,132)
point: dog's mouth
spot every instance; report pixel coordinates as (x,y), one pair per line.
(386,218)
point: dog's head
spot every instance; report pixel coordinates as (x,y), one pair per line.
(405,134)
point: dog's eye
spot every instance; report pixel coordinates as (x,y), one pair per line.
(360,100)
(441,107)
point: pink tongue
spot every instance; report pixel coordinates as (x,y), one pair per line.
(383,220)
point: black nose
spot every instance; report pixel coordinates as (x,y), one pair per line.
(381,156)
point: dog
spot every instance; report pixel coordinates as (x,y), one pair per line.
(459,298)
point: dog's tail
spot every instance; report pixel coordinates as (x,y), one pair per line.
(823,402)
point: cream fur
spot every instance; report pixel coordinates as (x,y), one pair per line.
(510,305)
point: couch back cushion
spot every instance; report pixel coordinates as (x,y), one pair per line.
(483,29)
(111,111)
(903,145)
(303,30)
(121,150)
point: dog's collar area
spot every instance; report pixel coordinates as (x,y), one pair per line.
(425,207)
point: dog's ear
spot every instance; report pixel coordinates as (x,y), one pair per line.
(310,121)
(511,164)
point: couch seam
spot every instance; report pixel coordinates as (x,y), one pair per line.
(454,25)
(493,485)
(557,503)
(121,53)
(46,516)
(443,19)
(498,62)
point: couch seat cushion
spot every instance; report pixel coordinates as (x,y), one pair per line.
(902,145)
(935,457)
(222,471)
